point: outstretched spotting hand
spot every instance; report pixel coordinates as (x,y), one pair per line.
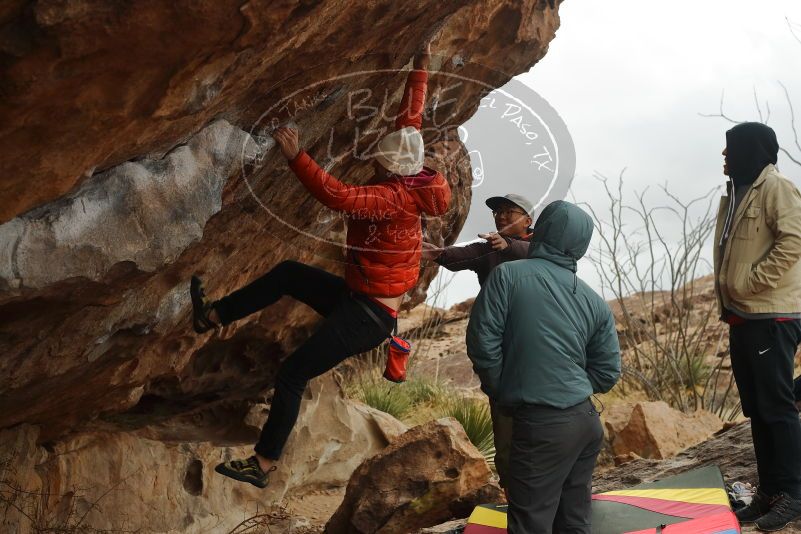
(423,58)
(430,251)
(496,240)
(287,139)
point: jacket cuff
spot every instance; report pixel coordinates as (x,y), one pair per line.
(490,380)
(298,158)
(418,75)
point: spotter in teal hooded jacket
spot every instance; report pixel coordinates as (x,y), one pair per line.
(537,334)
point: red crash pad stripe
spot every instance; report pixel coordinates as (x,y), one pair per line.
(661,506)
(725,523)
(691,531)
(483,529)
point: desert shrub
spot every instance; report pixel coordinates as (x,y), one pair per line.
(651,260)
(390,398)
(474,416)
(39,510)
(424,391)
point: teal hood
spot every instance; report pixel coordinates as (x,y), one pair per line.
(562,234)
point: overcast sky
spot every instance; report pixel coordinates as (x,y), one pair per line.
(630,77)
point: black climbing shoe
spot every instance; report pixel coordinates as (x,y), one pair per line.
(246,471)
(760,505)
(201,307)
(784,511)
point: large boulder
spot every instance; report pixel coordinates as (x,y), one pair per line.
(429,475)
(655,430)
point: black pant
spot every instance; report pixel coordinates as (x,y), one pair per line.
(762,354)
(502,435)
(346,330)
(550,469)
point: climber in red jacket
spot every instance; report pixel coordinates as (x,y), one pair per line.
(384,249)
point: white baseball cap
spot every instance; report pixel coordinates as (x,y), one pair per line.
(520,201)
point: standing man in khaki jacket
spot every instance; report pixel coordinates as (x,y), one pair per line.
(758,283)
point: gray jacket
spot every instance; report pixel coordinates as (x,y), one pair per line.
(481,258)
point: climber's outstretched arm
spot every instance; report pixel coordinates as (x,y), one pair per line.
(410,112)
(368,200)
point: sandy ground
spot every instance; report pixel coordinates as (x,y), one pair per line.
(317,507)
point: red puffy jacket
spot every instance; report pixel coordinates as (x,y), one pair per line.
(384,230)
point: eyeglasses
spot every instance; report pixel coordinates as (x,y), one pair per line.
(508,211)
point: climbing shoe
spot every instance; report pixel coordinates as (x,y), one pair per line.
(201,307)
(246,471)
(783,511)
(760,505)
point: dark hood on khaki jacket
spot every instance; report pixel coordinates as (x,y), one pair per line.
(750,147)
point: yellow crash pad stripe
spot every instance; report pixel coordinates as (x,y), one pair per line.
(692,495)
(487,517)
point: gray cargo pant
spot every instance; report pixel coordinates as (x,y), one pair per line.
(550,470)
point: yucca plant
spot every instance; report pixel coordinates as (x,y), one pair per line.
(695,371)
(421,390)
(381,395)
(474,416)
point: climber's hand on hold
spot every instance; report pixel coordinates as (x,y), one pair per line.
(287,139)
(423,57)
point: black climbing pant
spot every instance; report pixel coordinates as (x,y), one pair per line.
(550,469)
(346,330)
(762,354)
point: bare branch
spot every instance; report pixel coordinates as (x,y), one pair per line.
(764,116)
(756,105)
(721,114)
(792,119)
(790,156)
(794,29)
(635,259)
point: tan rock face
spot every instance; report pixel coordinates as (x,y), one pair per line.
(655,430)
(428,475)
(136,152)
(88,84)
(145,484)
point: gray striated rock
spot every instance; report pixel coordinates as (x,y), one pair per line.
(146,212)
